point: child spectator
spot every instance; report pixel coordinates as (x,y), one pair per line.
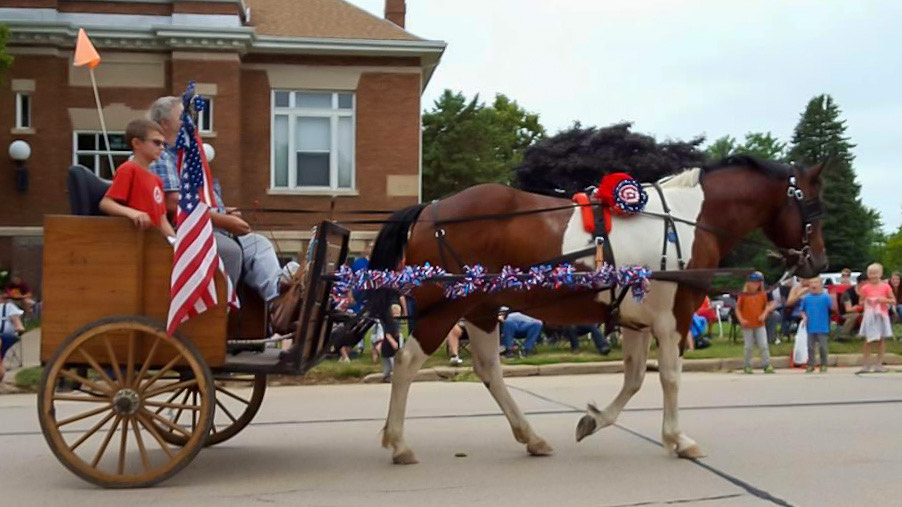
(816,306)
(19,292)
(387,342)
(10,329)
(751,309)
(877,297)
(136,192)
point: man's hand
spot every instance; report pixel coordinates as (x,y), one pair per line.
(141,220)
(232,211)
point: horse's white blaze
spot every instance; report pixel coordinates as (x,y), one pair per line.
(638,240)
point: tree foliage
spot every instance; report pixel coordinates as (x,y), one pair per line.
(579,157)
(759,144)
(466,142)
(6,59)
(849,227)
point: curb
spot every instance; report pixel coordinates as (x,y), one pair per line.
(448,373)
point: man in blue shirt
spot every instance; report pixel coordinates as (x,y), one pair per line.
(816,307)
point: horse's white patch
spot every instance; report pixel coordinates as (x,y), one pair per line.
(638,240)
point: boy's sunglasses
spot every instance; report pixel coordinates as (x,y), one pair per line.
(158,142)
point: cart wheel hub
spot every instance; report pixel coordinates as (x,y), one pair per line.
(126,402)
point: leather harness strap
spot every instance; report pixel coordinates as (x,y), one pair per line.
(669,228)
(442,241)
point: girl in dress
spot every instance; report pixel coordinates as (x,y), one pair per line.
(877,297)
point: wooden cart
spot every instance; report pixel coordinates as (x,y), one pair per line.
(121,403)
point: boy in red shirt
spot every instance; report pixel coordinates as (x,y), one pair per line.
(137,193)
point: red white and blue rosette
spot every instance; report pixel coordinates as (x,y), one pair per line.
(629,197)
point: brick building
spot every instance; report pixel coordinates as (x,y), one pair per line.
(315,104)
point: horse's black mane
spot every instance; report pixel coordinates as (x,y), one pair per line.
(578,158)
(771,169)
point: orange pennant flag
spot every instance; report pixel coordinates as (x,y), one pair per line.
(85,54)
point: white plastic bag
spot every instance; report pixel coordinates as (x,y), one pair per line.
(800,346)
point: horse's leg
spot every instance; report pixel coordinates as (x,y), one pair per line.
(408,361)
(487,365)
(669,366)
(635,352)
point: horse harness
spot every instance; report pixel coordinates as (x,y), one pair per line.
(810,211)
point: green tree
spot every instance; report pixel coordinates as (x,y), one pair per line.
(721,148)
(763,145)
(848,225)
(466,142)
(891,252)
(6,59)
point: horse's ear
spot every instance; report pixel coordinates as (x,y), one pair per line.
(815,171)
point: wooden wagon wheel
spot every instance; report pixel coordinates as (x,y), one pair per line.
(234,409)
(116,401)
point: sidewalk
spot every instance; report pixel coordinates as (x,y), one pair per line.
(31,356)
(697,365)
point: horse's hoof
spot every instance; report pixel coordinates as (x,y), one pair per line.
(586,427)
(404,458)
(691,452)
(539,447)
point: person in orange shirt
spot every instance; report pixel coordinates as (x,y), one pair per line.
(136,192)
(752,307)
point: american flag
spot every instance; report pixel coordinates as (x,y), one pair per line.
(196,260)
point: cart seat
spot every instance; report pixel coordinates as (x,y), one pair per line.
(86,190)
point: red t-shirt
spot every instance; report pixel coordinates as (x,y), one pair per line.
(139,189)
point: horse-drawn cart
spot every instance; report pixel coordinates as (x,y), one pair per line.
(121,402)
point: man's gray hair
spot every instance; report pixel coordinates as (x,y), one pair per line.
(162,108)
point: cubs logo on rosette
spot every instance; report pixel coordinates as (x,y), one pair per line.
(622,193)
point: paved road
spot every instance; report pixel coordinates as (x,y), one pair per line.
(784,439)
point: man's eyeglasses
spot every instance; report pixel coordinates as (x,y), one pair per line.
(157,142)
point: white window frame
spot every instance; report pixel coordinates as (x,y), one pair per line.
(23,119)
(333,114)
(99,153)
(202,127)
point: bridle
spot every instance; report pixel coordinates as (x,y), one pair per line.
(810,212)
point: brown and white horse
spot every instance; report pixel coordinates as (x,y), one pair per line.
(727,202)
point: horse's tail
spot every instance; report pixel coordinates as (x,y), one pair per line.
(387,253)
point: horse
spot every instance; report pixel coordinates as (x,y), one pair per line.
(494,225)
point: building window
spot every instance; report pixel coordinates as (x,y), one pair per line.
(312,140)
(205,118)
(23,111)
(89,150)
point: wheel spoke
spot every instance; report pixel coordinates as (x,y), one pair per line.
(88,399)
(113,361)
(166,423)
(159,374)
(170,387)
(224,409)
(78,378)
(179,406)
(174,395)
(233,395)
(130,362)
(147,361)
(91,431)
(106,442)
(150,427)
(178,413)
(96,366)
(123,442)
(83,415)
(137,431)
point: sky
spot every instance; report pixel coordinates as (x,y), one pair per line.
(681,68)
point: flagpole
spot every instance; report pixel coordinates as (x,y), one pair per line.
(106,137)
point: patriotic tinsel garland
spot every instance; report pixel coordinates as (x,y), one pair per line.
(475,279)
